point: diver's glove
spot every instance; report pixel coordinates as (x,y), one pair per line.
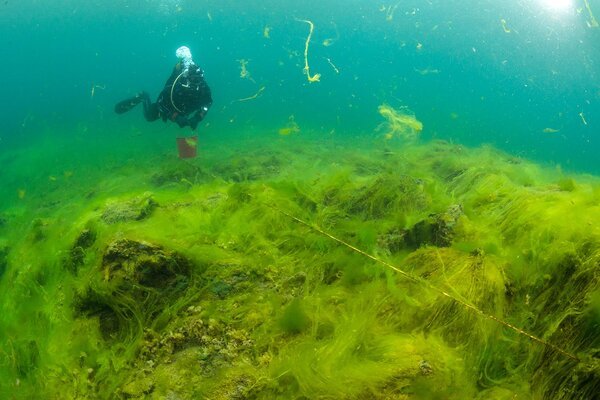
(199,116)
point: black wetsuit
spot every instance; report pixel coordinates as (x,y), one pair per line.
(185,99)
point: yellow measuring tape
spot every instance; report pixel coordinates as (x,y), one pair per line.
(430,286)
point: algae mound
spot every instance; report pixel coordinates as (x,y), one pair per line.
(248,285)
(135,282)
(134,209)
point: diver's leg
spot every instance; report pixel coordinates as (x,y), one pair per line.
(127,104)
(150,109)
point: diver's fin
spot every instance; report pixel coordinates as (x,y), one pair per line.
(127,104)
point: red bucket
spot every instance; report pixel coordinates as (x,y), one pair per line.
(187,146)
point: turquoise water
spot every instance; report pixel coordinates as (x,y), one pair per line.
(473,72)
(311,250)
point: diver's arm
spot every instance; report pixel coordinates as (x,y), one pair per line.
(199,116)
(201,113)
(206,102)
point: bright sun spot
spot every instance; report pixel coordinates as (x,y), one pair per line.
(558,5)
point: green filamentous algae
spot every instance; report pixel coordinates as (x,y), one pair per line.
(237,276)
(369,201)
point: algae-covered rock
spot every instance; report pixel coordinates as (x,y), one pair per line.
(136,281)
(436,230)
(84,240)
(392,241)
(185,360)
(135,209)
(39,230)
(4,250)
(127,263)
(217,343)
(178,172)
(249,168)
(387,194)
(566,184)
(138,388)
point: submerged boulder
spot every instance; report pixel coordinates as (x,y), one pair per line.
(136,281)
(134,209)
(84,240)
(435,230)
(128,263)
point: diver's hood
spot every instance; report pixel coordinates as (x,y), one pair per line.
(185,55)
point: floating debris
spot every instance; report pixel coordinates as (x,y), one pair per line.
(400,123)
(315,77)
(550,130)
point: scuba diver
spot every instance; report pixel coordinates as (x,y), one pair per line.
(185,99)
